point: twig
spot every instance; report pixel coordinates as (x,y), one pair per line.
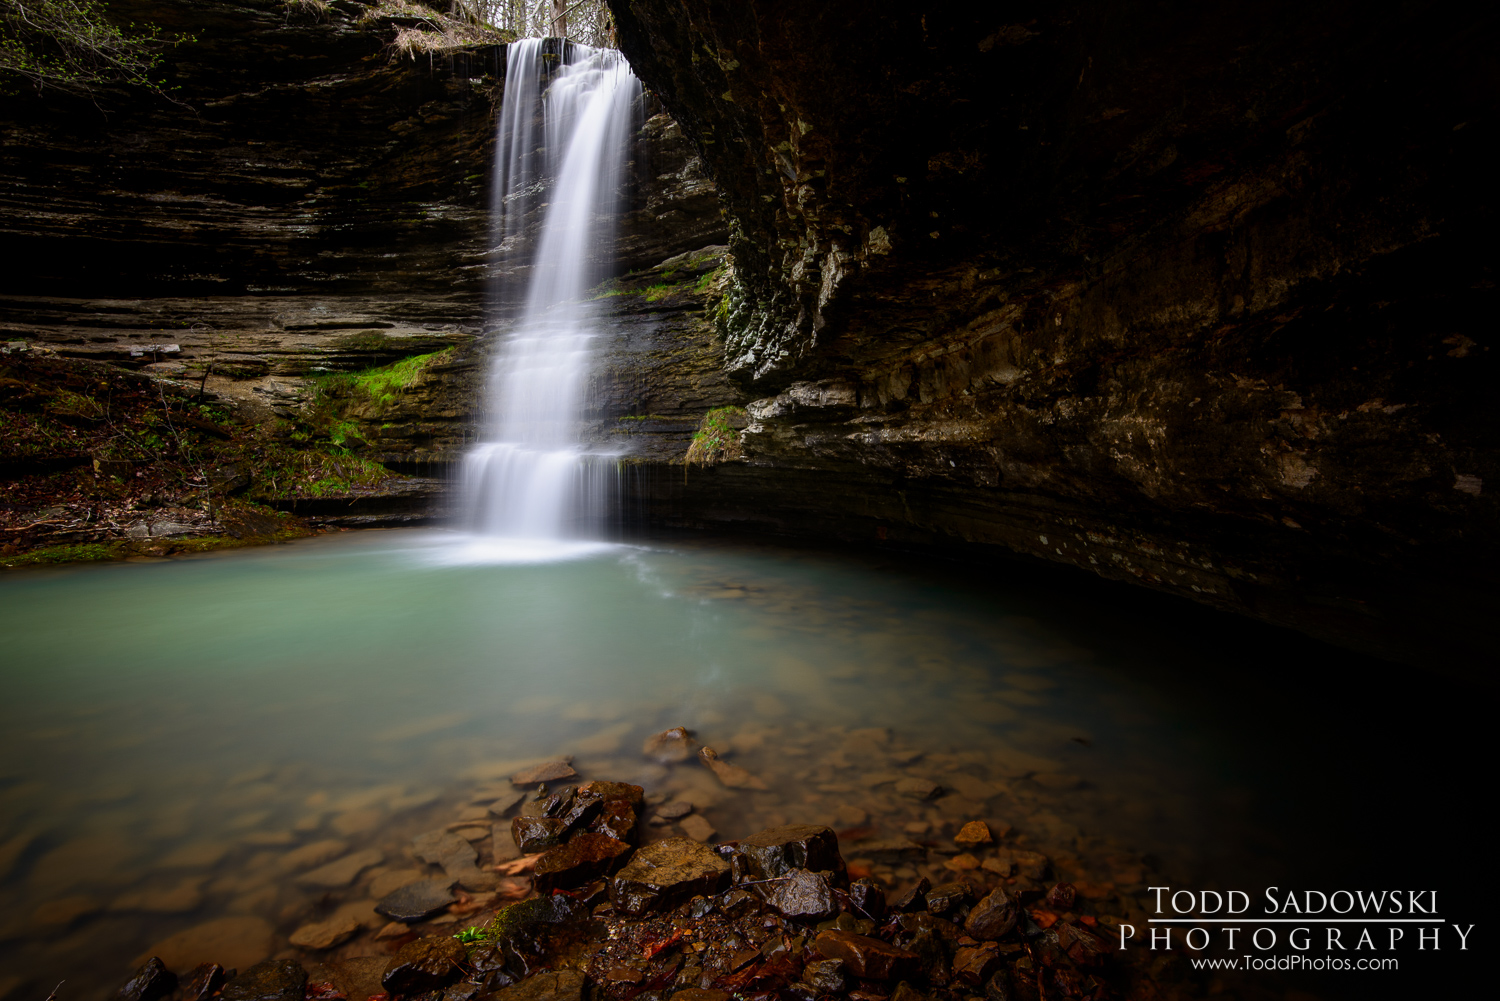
(53,995)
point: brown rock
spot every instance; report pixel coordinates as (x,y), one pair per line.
(547,771)
(326,934)
(238,943)
(918,788)
(316,853)
(203,983)
(417,901)
(584,859)
(342,872)
(670,746)
(537,834)
(667,873)
(976,964)
(800,895)
(550,985)
(732,776)
(973,834)
(424,965)
(864,957)
(632,794)
(700,994)
(273,980)
(617,818)
(151,981)
(697,828)
(993,917)
(778,850)
(962,863)
(1060,897)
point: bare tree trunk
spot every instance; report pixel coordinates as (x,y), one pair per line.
(559,24)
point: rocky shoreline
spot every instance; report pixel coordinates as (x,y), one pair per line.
(550,885)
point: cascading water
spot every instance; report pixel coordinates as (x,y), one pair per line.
(530,478)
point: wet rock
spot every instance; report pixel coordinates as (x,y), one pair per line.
(867,898)
(973,834)
(236,942)
(1082,946)
(273,980)
(947,897)
(582,810)
(914,899)
(203,982)
(732,776)
(1060,897)
(800,895)
(584,859)
(341,872)
(424,965)
(825,976)
(417,901)
(667,873)
(550,985)
(778,850)
(617,818)
(436,847)
(906,992)
(326,934)
(994,916)
(537,834)
(547,771)
(976,964)
(864,957)
(357,977)
(697,828)
(998,987)
(1032,865)
(670,746)
(700,994)
(916,788)
(151,981)
(632,794)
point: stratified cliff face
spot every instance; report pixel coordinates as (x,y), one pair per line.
(312,204)
(1191,296)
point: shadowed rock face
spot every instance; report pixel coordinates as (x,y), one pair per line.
(1188,297)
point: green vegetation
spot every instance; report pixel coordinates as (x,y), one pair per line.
(71,45)
(472,936)
(717,438)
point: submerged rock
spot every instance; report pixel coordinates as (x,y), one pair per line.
(733,776)
(670,746)
(326,934)
(238,943)
(416,901)
(973,834)
(547,771)
(667,873)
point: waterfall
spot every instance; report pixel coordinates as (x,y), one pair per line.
(565,122)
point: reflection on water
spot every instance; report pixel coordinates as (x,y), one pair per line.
(186,741)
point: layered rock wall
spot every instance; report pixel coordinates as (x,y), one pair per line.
(1189,297)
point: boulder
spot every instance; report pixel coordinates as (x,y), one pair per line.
(800,895)
(778,850)
(584,859)
(424,965)
(667,873)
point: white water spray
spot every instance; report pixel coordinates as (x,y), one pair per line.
(529,478)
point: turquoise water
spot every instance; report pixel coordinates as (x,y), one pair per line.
(169,725)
